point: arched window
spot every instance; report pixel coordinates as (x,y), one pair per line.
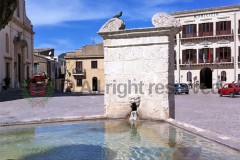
(189,76)
(223,76)
(7,43)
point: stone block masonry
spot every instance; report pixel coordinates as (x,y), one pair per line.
(140,62)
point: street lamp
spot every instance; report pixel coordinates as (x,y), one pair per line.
(217,63)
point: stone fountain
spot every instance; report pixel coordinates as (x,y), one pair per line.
(140,63)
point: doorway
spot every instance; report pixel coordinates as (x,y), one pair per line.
(205,78)
(94,84)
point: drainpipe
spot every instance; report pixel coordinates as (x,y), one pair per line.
(235,48)
(178,59)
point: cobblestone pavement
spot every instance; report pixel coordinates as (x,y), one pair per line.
(60,106)
(204,110)
(207,110)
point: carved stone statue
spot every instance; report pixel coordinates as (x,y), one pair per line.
(7,8)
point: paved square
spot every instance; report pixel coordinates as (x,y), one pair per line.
(203,109)
(206,109)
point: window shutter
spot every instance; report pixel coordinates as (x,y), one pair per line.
(183,56)
(229,27)
(211,27)
(200,29)
(211,54)
(217,28)
(194,29)
(184,31)
(229,54)
(218,54)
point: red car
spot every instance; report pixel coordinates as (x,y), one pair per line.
(230,89)
(38,86)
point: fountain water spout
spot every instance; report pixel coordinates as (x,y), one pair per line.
(133,116)
(135,102)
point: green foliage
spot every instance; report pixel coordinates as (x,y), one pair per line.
(7,8)
(50,90)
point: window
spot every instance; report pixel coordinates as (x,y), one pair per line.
(205,55)
(206,29)
(189,55)
(238,26)
(223,54)
(238,54)
(79,68)
(189,30)
(7,43)
(8,70)
(79,82)
(35,70)
(189,76)
(223,27)
(94,64)
(223,76)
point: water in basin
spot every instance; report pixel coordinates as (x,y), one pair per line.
(107,140)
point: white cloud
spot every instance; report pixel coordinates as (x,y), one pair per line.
(52,12)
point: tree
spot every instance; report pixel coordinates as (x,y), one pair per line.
(7,8)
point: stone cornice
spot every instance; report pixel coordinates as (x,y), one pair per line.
(24,27)
(140,32)
(190,12)
(83,57)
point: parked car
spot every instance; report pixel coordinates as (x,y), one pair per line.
(230,89)
(181,88)
(38,86)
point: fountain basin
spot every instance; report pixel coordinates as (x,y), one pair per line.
(107,139)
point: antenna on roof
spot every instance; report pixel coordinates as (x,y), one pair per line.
(93,40)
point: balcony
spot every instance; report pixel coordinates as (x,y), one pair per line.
(202,34)
(189,35)
(226,32)
(78,72)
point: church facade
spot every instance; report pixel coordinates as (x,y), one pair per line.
(207,51)
(16,49)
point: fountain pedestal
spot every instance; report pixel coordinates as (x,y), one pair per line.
(140,62)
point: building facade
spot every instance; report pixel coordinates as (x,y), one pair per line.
(45,64)
(207,50)
(16,49)
(85,70)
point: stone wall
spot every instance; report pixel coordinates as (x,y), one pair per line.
(140,63)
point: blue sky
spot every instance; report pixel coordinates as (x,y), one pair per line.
(66,25)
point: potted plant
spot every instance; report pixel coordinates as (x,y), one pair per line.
(7,82)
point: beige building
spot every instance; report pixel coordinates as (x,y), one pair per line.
(16,48)
(85,70)
(207,50)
